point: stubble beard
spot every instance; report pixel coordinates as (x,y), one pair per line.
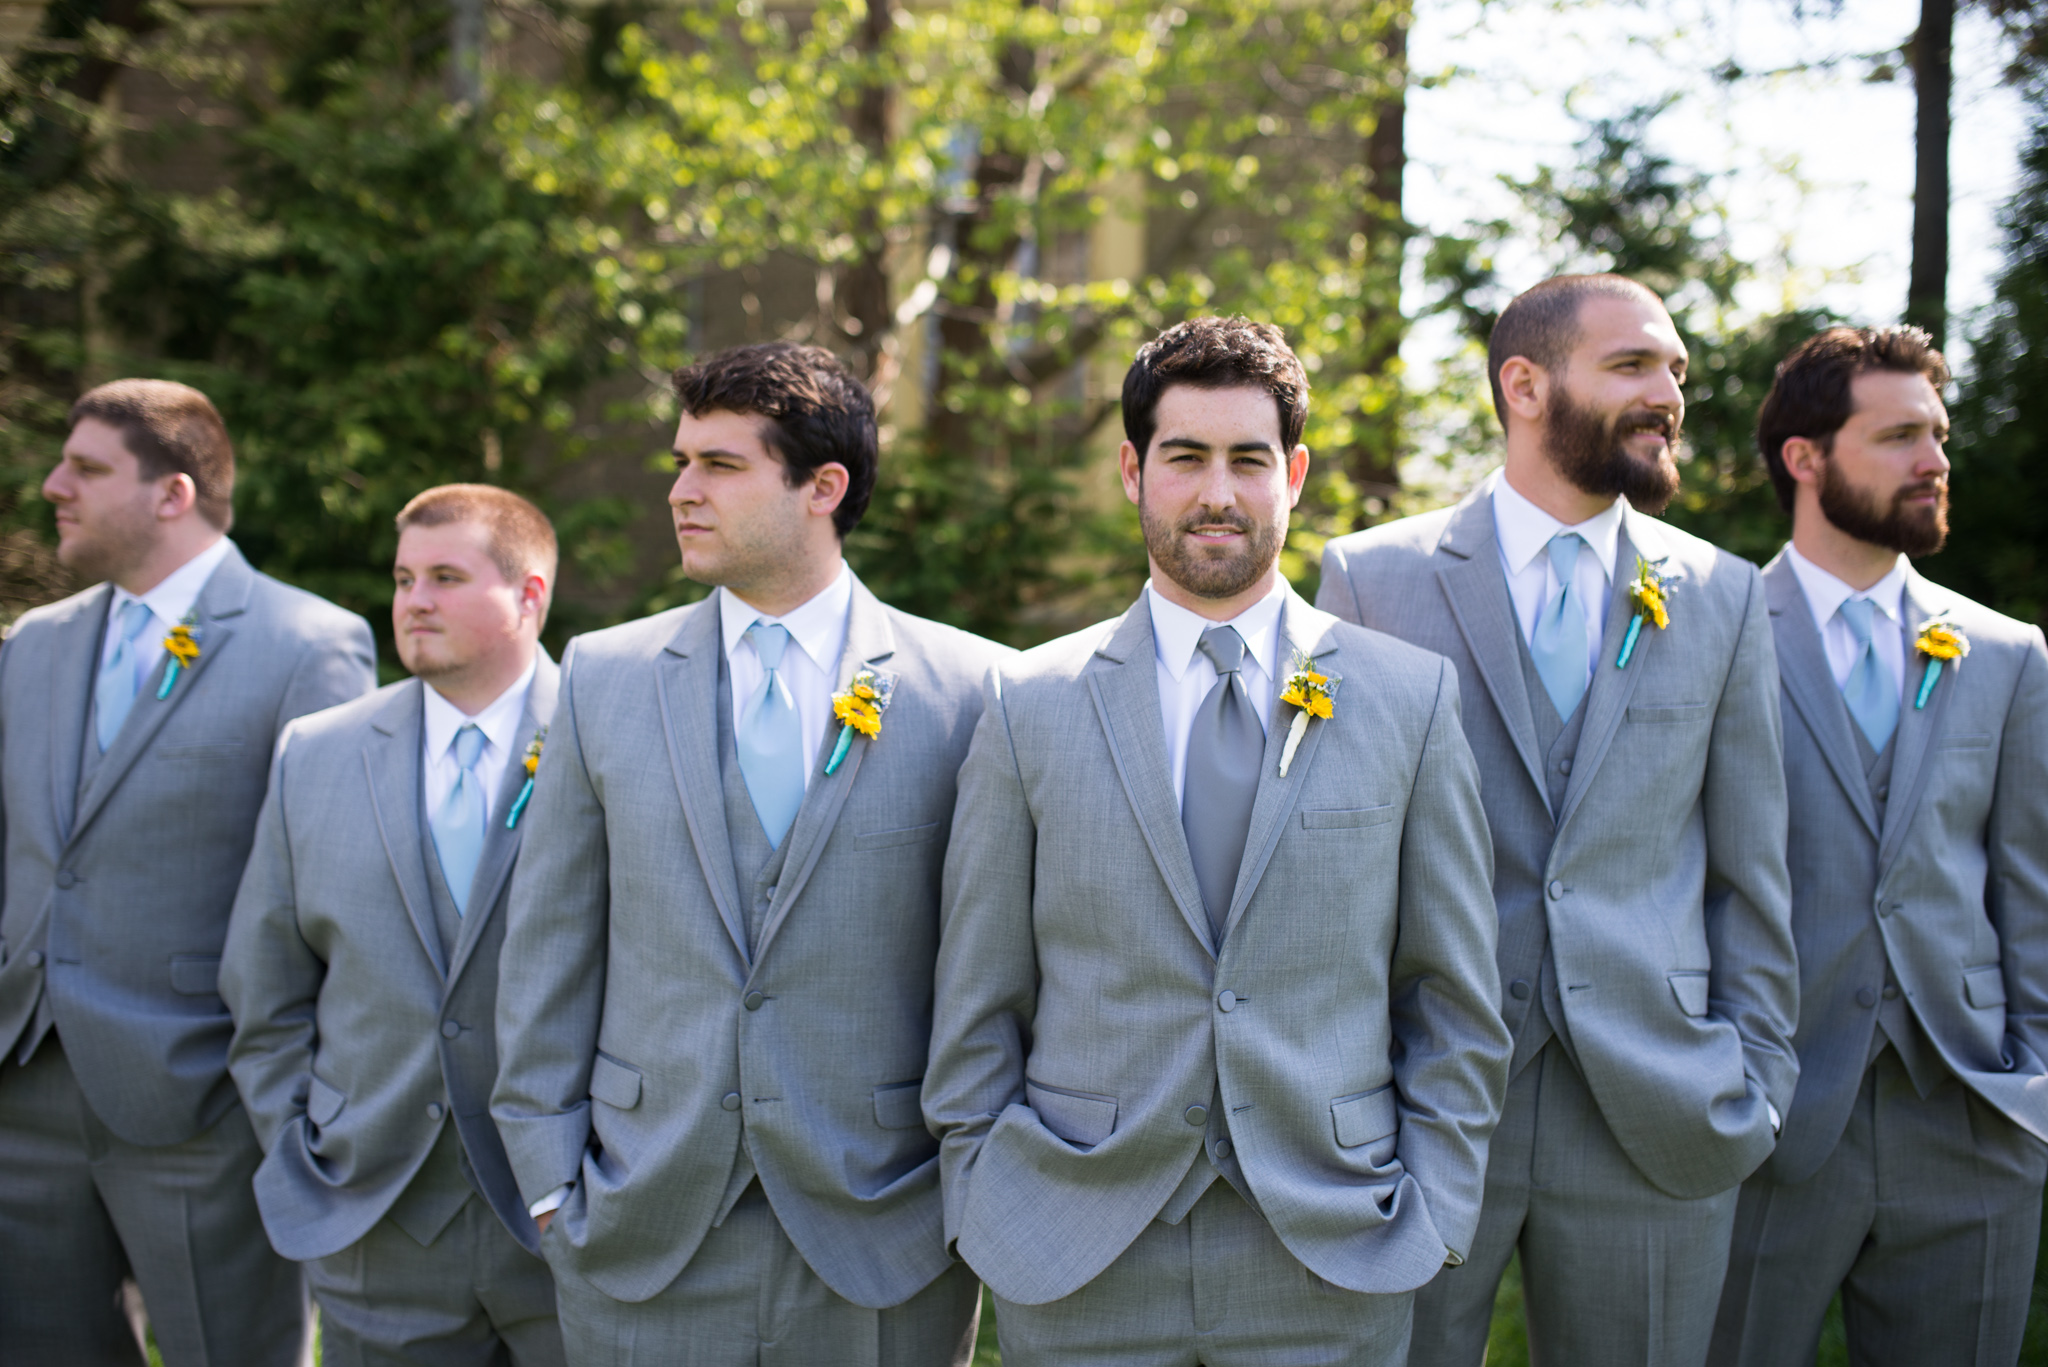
(1586,447)
(1207,572)
(1911,531)
(108,551)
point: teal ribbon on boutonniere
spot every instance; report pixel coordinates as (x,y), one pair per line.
(183,643)
(1651,592)
(1939,640)
(860,708)
(532,762)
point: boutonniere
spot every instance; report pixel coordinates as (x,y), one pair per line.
(183,643)
(860,708)
(1311,694)
(532,762)
(1651,592)
(1939,640)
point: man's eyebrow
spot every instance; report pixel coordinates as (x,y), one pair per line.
(706,454)
(1196,444)
(1641,353)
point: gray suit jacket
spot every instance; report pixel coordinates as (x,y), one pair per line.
(1951,888)
(355,1035)
(635,1030)
(1351,1019)
(117,899)
(1662,877)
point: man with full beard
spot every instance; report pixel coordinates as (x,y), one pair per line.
(1909,1174)
(1621,697)
(1216,1045)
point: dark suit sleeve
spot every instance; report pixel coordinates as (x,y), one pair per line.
(2016,895)
(1754,982)
(269,976)
(986,994)
(1336,594)
(1451,1055)
(551,970)
(331,671)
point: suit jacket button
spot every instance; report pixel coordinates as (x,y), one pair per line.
(1196,1115)
(1865,997)
(752,1001)
(1564,766)
(434,1111)
(1227,1000)
(449,1029)
(35,958)
(1222,1149)
(730,1101)
(66,878)
(1556,889)
(1519,990)
(1891,992)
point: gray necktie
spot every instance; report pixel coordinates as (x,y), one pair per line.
(1225,748)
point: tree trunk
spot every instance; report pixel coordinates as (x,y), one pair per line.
(1375,456)
(861,293)
(1927,291)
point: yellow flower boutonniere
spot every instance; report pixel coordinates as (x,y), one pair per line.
(183,644)
(532,763)
(1940,640)
(860,708)
(1651,593)
(1312,694)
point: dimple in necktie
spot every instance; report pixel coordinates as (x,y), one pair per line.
(1558,645)
(458,823)
(113,692)
(1225,748)
(1870,690)
(770,741)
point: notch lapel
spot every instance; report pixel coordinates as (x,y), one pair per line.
(1477,591)
(1126,692)
(1608,694)
(77,654)
(1810,684)
(391,764)
(687,680)
(1918,726)
(501,847)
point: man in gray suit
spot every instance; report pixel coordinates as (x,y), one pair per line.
(1623,706)
(136,724)
(1217,1046)
(362,961)
(718,964)
(1909,1173)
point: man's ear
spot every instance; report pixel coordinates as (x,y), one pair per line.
(177,496)
(1297,473)
(1803,459)
(1526,388)
(1130,468)
(828,486)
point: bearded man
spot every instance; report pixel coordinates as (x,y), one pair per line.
(1622,702)
(1909,1174)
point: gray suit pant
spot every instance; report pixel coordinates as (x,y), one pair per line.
(81,1209)
(1927,1217)
(747,1298)
(1615,1273)
(472,1298)
(1218,1289)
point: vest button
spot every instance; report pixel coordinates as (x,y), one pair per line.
(730,1101)
(1865,997)
(1226,1000)
(1223,1149)
(1196,1115)
(449,1029)
(752,1001)
(35,958)
(1884,792)
(1556,889)
(1564,766)
(1519,990)
(1891,992)
(66,878)
(434,1111)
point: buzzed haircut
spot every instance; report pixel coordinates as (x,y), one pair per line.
(1541,324)
(1215,353)
(816,413)
(519,536)
(171,429)
(1813,393)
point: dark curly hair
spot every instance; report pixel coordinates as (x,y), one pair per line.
(1215,353)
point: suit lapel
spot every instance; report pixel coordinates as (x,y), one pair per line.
(1125,686)
(1303,631)
(1608,694)
(1810,684)
(1477,591)
(870,643)
(391,764)
(1918,726)
(501,846)
(224,598)
(687,674)
(77,653)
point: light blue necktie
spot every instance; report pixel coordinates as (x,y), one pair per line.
(771,741)
(113,693)
(458,823)
(1870,690)
(1559,643)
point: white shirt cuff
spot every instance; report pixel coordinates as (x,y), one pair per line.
(1776,1123)
(553,1200)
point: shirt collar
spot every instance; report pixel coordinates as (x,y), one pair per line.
(172,600)
(1177,633)
(1525,529)
(818,626)
(1825,593)
(499,721)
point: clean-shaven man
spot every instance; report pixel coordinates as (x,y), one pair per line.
(718,966)
(362,961)
(136,724)
(1218,1044)
(1621,697)
(1909,1173)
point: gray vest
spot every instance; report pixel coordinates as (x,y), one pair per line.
(1527,966)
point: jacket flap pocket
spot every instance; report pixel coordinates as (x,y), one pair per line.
(1690,711)
(1965,741)
(1984,986)
(904,835)
(1337,819)
(196,975)
(323,1103)
(1082,1118)
(1691,991)
(216,750)
(614,1083)
(1365,1117)
(899,1105)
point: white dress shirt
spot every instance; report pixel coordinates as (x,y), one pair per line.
(817,638)
(503,740)
(1524,532)
(169,603)
(1825,595)
(1186,675)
